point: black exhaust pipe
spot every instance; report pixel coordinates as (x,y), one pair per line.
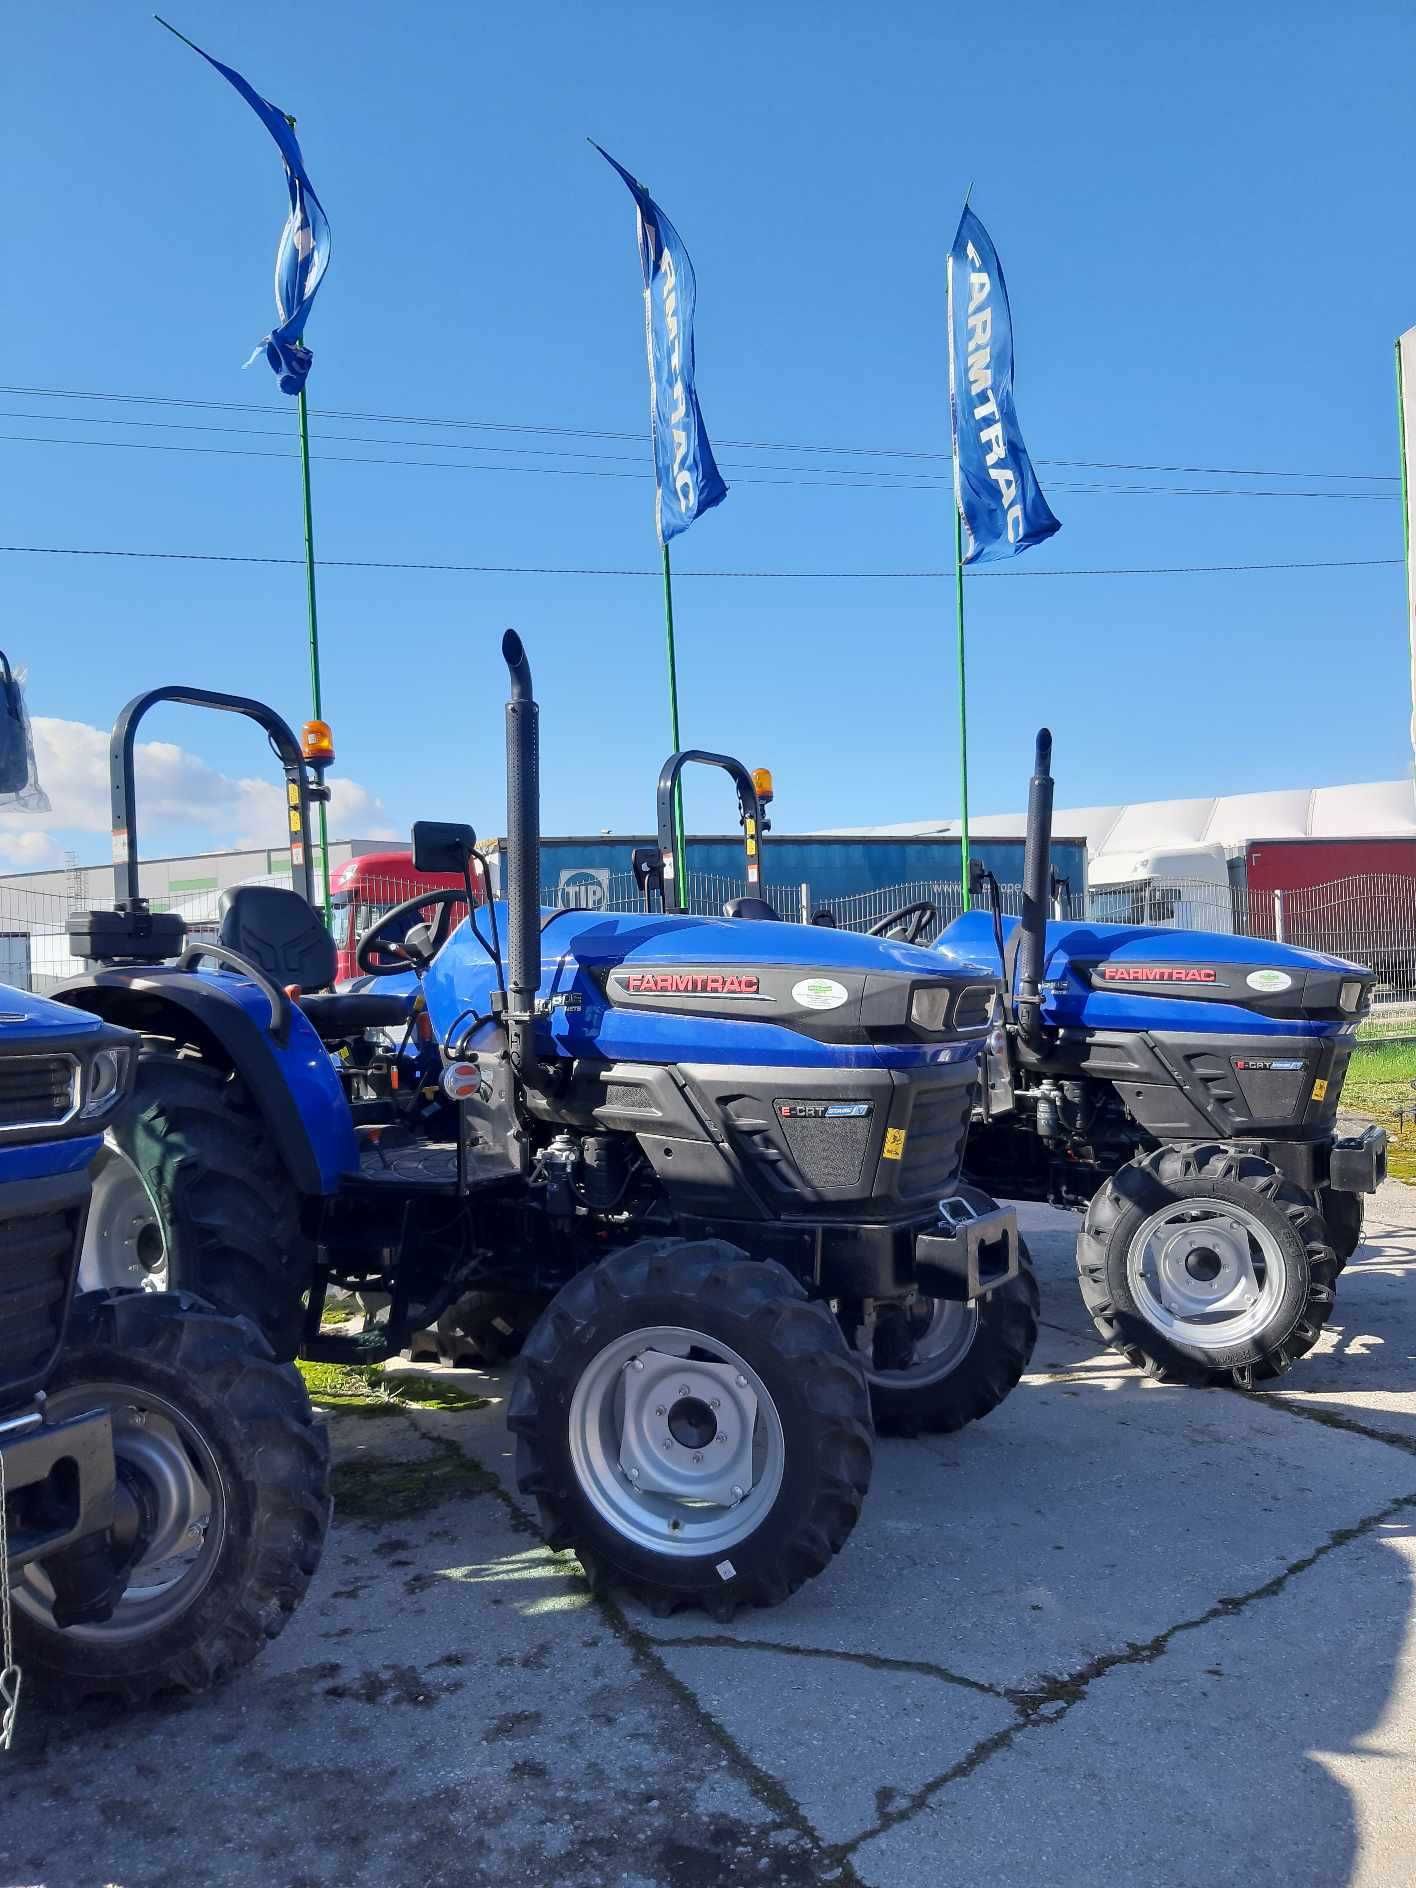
(1037,886)
(523,864)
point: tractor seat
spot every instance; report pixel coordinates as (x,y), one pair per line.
(757,908)
(275,930)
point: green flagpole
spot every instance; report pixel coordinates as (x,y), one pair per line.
(1406,542)
(680,853)
(314,625)
(959,589)
(963,706)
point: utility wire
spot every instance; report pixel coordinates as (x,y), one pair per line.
(734,445)
(842,482)
(656,571)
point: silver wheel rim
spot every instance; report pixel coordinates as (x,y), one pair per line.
(123,1238)
(943,1333)
(1209,1274)
(165,1459)
(676,1442)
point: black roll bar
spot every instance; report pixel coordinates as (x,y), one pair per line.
(298,788)
(749,817)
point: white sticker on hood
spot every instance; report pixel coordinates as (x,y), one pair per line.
(1269,981)
(820,993)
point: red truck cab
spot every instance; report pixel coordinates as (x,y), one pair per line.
(364,888)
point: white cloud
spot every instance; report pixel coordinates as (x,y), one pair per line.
(174,787)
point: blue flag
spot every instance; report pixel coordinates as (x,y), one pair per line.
(302,254)
(689,480)
(994,484)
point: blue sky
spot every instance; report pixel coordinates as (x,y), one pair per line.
(1205,222)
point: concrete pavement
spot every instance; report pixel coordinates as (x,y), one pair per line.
(1116,1630)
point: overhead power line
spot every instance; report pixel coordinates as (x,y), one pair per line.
(656,571)
(732,445)
(841,481)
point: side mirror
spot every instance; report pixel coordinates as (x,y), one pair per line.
(442,845)
(417,945)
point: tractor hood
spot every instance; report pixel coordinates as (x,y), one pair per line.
(27,1022)
(664,988)
(1121,976)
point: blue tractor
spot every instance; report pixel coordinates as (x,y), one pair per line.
(1182,1088)
(163,1486)
(726,1152)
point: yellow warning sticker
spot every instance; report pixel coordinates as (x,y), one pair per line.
(1320,1089)
(292,792)
(894,1147)
(294,821)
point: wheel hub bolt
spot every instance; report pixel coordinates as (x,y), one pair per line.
(683,1389)
(698,1458)
(661,1411)
(742,1383)
(737,1492)
(633,1474)
(668,1442)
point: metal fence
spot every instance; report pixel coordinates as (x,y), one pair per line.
(1369,920)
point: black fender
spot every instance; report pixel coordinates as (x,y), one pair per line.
(163,1002)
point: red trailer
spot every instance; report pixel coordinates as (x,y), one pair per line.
(1353,897)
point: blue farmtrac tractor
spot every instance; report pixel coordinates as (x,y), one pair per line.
(727,1152)
(164,1486)
(1183,1088)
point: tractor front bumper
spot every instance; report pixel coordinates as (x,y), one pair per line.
(959,1253)
(1358,1162)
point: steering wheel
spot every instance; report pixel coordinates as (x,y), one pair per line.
(910,922)
(374,940)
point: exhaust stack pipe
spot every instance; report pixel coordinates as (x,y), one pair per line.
(523,864)
(1037,884)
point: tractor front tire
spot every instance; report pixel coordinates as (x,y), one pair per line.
(1203,1264)
(222,1462)
(1342,1213)
(968,1357)
(227,1210)
(693,1426)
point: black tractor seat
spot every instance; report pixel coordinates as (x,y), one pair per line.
(757,909)
(275,930)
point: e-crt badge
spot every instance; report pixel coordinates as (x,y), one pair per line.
(461,1080)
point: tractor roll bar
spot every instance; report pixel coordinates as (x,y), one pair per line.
(749,817)
(298,790)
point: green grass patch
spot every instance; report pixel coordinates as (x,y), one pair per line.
(362,1389)
(380,1490)
(1380,1080)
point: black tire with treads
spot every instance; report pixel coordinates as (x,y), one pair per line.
(986,1373)
(230,1214)
(273,1460)
(1216,1172)
(757,1309)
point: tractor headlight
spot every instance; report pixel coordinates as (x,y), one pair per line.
(106,1080)
(1349,997)
(929,1006)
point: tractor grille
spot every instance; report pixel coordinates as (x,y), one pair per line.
(37,1091)
(830,1152)
(934,1141)
(37,1253)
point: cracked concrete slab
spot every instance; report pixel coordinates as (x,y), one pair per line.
(861,1735)
(1274,1748)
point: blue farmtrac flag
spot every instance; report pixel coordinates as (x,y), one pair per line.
(302,254)
(689,480)
(995,486)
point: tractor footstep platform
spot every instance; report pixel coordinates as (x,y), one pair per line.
(431,1164)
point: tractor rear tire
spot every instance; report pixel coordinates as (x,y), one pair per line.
(228,1212)
(218,1447)
(741,1357)
(1248,1207)
(994,1340)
